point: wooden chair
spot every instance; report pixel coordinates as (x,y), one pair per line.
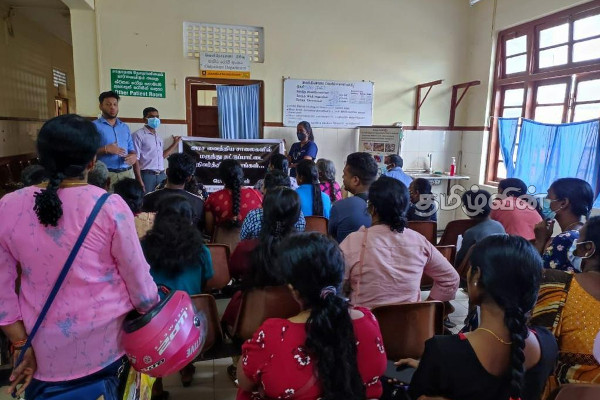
(455,228)
(219,254)
(260,304)
(316,224)
(579,391)
(207,304)
(228,236)
(405,327)
(425,228)
(448,252)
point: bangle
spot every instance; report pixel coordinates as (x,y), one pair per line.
(19,343)
(105,152)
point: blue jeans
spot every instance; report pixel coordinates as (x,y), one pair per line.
(115,375)
(151,180)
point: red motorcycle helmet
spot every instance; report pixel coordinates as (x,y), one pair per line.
(166,338)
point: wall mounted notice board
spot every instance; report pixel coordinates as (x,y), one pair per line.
(327,104)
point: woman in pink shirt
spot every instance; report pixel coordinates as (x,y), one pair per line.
(384,263)
(513,211)
(109,277)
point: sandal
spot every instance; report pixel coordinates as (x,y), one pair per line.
(232,373)
(187,375)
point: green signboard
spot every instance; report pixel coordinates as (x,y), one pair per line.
(127,82)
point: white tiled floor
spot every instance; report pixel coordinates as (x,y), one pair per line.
(212,383)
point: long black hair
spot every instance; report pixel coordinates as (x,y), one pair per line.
(131,191)
(312,262)
(579,193)
(517,186)
(510,270)
(232,176)
(174,242)
(65,145)
(307,171)
(308,129)
(280,162)
(326,170)
(390,199)
(281,210)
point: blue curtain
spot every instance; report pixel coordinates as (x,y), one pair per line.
(508,136)
(238,111)
(549,152)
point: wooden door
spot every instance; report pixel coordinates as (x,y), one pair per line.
(205,118)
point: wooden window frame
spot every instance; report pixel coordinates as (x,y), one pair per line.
(533,76)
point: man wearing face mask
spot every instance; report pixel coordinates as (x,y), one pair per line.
(304,149)
(150,170)
(394,164)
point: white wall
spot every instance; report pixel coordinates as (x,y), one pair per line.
(395,43)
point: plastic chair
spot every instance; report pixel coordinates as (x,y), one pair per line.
(406,326)
(225,235)
(579,391)
(316,224)
(425,228)
(259,305)
(219,254)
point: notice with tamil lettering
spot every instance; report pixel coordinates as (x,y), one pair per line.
(127,82)
(253,155)
(327,104)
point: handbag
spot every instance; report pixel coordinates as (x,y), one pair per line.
(80,389)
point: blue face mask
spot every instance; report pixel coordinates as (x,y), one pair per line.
(547,212)
(153,122)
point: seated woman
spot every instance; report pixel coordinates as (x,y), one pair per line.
(253,260)
(569,305)
(278,162)
(132,192)
(476,204)
(503,358)
(229,206)
(314,202)
(328,185)
(384,263)
(330,350)
(252,225)
(567,202)
(422,206)
(178,259)
(515,210)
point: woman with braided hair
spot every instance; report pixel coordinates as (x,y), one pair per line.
(228,207)
(314,202)
(109,276)
(330,350)
(503,359)
(327,178)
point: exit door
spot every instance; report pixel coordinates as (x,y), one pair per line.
(205,112)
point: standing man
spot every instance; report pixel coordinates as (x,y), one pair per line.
(394,164)
(348,215)
(150,154)
(116,150)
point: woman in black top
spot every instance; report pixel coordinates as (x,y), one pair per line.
(503,359)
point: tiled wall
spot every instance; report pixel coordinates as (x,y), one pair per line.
(18,137)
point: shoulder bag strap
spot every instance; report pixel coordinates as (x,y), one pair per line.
(63,274)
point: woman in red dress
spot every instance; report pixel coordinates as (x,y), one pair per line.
(330,350)
(229,206)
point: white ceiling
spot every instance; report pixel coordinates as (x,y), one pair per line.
(52,15)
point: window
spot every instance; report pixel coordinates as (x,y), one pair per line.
(231,39)
(547,70)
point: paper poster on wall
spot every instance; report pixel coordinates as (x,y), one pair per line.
(327,104)
(127,82)
(224,65)
(379,142)
(253,155)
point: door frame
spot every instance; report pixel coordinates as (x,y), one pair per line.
(191,81)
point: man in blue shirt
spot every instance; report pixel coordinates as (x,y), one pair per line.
(350,214)
(394,164)
(116,150)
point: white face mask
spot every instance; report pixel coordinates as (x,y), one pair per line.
(576,260)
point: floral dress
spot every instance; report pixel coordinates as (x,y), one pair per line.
(559,253)
(277,360)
